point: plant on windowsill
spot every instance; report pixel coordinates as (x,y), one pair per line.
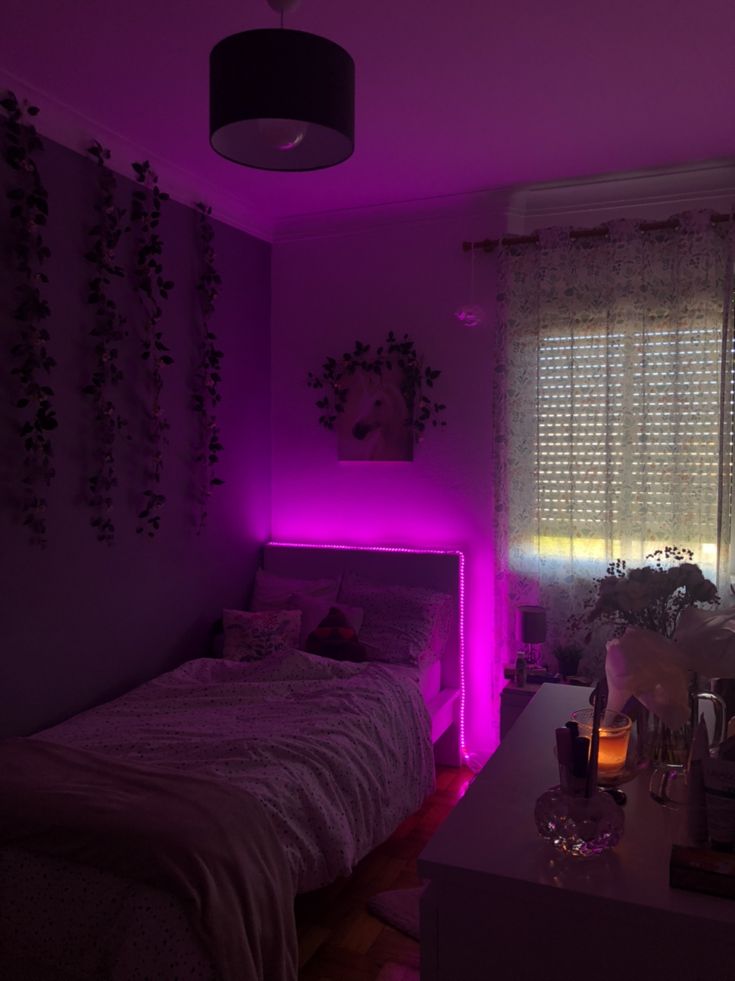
(568,657)
(28,253)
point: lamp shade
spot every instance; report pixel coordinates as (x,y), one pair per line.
(531,624)
(281,100)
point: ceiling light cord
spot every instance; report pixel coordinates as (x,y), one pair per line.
(283,6)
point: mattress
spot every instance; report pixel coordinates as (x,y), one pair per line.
(337,753)
(428,677)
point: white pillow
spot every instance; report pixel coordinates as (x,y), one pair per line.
(271,592)
(403,624)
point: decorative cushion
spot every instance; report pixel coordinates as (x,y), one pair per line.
(403,624)
(252,636)
(335,637)
(271,592)
(314,610)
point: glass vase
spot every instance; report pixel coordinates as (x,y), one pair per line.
(668,749)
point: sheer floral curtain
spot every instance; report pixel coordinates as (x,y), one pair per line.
(613,406)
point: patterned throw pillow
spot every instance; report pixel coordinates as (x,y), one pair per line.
(271,591)
(335,637)
(403,624)
(252,636)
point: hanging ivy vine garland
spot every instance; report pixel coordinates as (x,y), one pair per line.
(333,381)
(152,288)
(32,362)
(206,394)
(107,332)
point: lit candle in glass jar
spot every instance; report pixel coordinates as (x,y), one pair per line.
(614,737)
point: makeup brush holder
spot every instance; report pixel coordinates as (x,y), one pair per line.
(577,825)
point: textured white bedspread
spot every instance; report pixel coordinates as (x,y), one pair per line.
(337,753)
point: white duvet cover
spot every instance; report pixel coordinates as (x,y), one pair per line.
(337,753)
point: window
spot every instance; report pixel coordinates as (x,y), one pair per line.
(628,436)
(612,408)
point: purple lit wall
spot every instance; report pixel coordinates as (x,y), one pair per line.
(357,276)
(82,622)
(407,277)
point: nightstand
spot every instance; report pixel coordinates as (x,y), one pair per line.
(513,700)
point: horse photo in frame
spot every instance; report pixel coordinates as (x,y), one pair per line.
(377,401)
(376,422)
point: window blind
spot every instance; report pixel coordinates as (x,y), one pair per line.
(628,436)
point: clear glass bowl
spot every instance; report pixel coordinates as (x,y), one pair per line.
(579,826)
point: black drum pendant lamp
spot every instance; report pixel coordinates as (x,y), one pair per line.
(281,99)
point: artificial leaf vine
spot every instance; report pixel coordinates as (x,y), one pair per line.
(33,363)
(206,394)
(107,332)
(395,354)
(152,288)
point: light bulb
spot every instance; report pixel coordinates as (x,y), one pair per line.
(282,134)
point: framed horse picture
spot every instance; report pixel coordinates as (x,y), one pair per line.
(377,401)
(376,421)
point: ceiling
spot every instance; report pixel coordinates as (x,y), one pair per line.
(453,96)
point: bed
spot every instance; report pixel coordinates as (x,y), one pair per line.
(304,763)
(438,570)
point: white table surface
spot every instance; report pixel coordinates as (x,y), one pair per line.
(491,835)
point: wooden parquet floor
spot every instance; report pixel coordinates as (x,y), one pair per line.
(338,939)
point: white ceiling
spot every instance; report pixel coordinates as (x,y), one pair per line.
(453,96)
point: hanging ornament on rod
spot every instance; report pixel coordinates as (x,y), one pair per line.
(471,314)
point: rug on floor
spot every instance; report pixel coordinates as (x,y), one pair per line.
(398,908)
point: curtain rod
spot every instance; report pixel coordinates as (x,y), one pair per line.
(488,244)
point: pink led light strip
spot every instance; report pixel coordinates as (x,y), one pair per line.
(413,551)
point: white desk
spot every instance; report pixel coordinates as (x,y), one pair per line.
(503,904)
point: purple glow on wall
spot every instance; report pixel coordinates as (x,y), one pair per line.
(460,591)
(327,292)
